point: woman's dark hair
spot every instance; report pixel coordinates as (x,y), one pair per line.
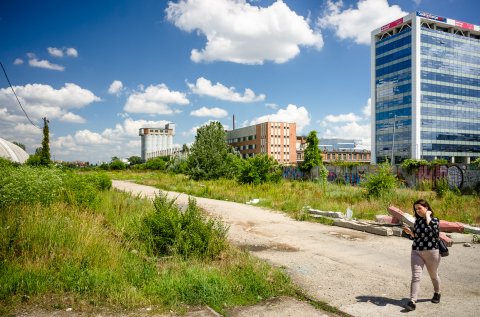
(424,203)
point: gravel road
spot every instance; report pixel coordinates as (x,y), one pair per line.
(359,273)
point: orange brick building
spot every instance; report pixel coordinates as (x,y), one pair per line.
(277,139)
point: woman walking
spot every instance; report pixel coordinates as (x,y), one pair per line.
(425,236)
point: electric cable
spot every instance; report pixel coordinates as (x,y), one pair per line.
(8,80)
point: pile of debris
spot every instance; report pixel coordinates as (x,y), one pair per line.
(450,232)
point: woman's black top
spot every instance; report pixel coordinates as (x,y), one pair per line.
(426,236)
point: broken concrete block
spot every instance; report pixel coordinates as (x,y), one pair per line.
(397,231)
(387,219)
(470,229)
(402,216)
(365,227)
(331,214)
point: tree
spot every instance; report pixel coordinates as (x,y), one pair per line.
(259,169)
(45,151)
(381,183)
(209,154)
(156,163)
(311,155)
(133,160)
(185,149)
(117,165)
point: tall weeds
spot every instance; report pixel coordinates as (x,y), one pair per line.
(292,196)
(95,249)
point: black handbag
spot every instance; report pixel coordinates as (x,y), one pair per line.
(442,248)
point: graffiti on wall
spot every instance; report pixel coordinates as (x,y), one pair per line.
(457,176)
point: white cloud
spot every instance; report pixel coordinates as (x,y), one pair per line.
(193,130)
(40,100)
(292,113)
(71,117)
(272,106)
(350,130)
(56,52)
(209,112)
(367,110)
(357,23)
(86,137)
(348,126)
(122,140)
(115,87)
(60,52)
(204,87)
(156,99)
(72,52)
(342,118)
(6,116)
(239,32)
(34,62)
(18,61)
(131,127)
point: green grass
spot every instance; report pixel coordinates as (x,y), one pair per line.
(292,196)
(64,255)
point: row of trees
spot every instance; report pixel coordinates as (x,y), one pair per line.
(211,157)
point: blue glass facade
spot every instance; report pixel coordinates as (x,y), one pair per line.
(426,90)
(393,99)
(450,95)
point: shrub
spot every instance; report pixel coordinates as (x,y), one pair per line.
(259,169)
(441,188)
(437,162)
(157,164)
(29,185)
(412,165)
(117,165)
(323,176)
(177,165)
(382,182)
(82,189)
(187,234)
(476,163)
(425,185)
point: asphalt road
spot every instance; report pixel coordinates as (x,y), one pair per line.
(359,273)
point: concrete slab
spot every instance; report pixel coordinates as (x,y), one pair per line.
(460,238)
(331,214)
(363,226)
(278,307)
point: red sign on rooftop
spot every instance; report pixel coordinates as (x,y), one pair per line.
(464,25)
(391,24)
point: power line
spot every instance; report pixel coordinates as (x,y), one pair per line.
(17,97)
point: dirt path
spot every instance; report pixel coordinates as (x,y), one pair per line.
(359,273)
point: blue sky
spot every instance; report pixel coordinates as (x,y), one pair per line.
(100,70)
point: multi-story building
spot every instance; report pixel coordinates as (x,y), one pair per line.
(333,150)
(157,141)
(425,89)
(277,139)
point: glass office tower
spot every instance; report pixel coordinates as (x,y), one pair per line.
(425,89)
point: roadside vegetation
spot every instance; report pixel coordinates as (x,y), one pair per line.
(67,240)
(292,196)
(214,170)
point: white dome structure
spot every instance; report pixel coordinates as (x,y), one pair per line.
(12,152)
